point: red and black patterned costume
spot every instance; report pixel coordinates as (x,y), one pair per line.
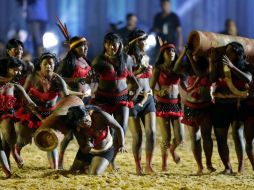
(111,101)
(165,106)
(196,112)
(28,118)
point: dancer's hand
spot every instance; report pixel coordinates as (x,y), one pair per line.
(122,149)
(81,80)
(226,61)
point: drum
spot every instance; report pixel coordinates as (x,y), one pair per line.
(46,137)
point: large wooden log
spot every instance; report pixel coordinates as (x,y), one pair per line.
(45,136)
(201,42)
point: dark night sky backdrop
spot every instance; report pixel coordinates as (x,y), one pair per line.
(91,18)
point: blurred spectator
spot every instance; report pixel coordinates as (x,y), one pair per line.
(131,25)
(230,28)
(167,25)
(36,14)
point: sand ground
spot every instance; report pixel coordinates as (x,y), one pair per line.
(36,175)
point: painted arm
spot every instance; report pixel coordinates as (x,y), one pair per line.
(119,131)
(178,65)
(154,79)
(193,64)
(64,89)
(245,76)
(133,79)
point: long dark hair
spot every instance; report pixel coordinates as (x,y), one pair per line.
(121,57)
(77,112)
(239,51)
(68,63)
(132,47)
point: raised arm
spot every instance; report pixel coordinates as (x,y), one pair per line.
(193,64)
(179,62)
(244,76)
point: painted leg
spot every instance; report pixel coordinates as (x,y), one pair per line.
(178,139)
(150,131)
(5,164)
(237,132)
(122,118)
(136,132)
(206,133)
(195,137)
(65,142)
(164,125)
(53,159)
(221,137)
(249,137)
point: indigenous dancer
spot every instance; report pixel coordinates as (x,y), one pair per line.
(11,94)
(168,107)
(232,80)
(77,73)
(144,109)
(197,100)
(15,48)
(91,128)
(44,87)
(114,68)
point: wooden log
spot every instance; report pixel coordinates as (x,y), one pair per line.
(201,42)
(45,136)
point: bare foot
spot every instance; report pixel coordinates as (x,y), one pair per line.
(200,172)
(139,171)
(240,169)
(20,164)
(60,166)
(164,168)
(211,169)
(149,170)
(227,172)
(114,166)
(175,156)
(7,173)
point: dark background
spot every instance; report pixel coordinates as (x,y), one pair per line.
(91,18)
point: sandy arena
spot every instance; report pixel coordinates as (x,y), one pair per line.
(36,175)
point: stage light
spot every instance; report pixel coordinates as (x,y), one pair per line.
(49,40)
(150,41)
(186,7)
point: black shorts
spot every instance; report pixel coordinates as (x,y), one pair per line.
(87,157)
(148,107)
(224,114)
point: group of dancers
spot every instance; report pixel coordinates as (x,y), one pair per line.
(121,90)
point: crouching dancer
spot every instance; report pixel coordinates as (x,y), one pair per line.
(90,126)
